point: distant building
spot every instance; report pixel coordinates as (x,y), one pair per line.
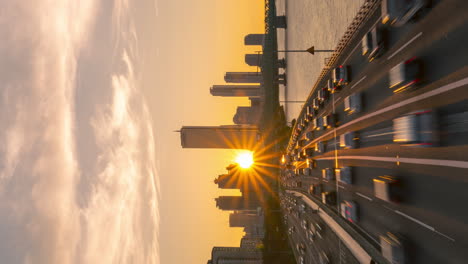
(254,39)
(235,255)
(244,219)
(243,77)
(235,90)
(235,203)
(247,115)
(225,137)
(257,60)
(251,243)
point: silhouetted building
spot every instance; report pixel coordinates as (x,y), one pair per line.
(235,90)
(228,181)
(251,243)
(243,77)
(257,60)
(254,39)
(247,115)
(234,203)
(244,219)
(235,255)
(226,137)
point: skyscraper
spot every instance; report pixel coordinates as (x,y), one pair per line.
(233,203)
(235,255)
(243,219)
(247,115)
(235,90)
(254,59)
(243,77)
(226,137)
(254,39)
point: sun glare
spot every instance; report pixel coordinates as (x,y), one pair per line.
(245,159)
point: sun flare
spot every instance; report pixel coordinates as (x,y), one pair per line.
(245,159)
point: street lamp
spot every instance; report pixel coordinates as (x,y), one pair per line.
(310,50)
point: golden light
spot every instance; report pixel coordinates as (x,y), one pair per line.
(245,159)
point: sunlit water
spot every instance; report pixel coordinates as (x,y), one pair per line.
(319,23)
(77,168)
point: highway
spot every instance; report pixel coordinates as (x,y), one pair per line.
(433,180)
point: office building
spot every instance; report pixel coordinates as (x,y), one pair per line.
(235,203)
(243,77)
(247,115)
(235,90)
(225,137)
(254,39)
(235,255)
(244,219)
(257,60)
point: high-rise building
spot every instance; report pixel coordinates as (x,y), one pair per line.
(235,90)
(257,60)
(254,39)
(225,137)
(235,255)
(234,203)
(243,77)
(243,219)
(254,59)
(247,115)
(250,242)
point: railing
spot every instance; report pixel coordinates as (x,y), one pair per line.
(366,10)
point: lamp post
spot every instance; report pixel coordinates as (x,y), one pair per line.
(310,50)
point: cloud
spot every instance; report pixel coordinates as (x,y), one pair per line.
(78,181)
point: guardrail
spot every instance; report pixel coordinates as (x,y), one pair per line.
(366,10)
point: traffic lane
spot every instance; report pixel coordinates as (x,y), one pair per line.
(448,90)
(331,242)
(311,249)
(449,11)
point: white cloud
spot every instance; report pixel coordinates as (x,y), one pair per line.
(78,182)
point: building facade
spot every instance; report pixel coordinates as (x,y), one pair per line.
(254,39)
(243,77)
(224,137)
(235,90)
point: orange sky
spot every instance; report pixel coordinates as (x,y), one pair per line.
(190,45)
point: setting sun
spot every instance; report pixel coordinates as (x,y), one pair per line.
(245,159)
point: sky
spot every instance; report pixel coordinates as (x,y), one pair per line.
(192,45)
(78,178)
(90,168)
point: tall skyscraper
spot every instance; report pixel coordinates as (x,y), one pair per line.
(234,203)
(254,39)
(243,219)
(243,77)
(247,115)
(235,90)
(254,59)
(235,255)
(225,137)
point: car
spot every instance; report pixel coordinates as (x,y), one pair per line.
(310,111)
(378,43)
(416,129)
(323,258)
(348,140)
(306,171)
(302,143)
(399,12)
(392,247)
(301,260)
(315,104)
(315,189)
(308,151)
(304,222)
(344,175)
(300,248)
(349,211)
(387,188)
(317,123)
(366,43)
(405,75)
(353,103)
(322,95)
(329,198)
(311,163)
(332,87)
(328,174)
(309,135)
(329,121)
(340,75)
(320,147)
